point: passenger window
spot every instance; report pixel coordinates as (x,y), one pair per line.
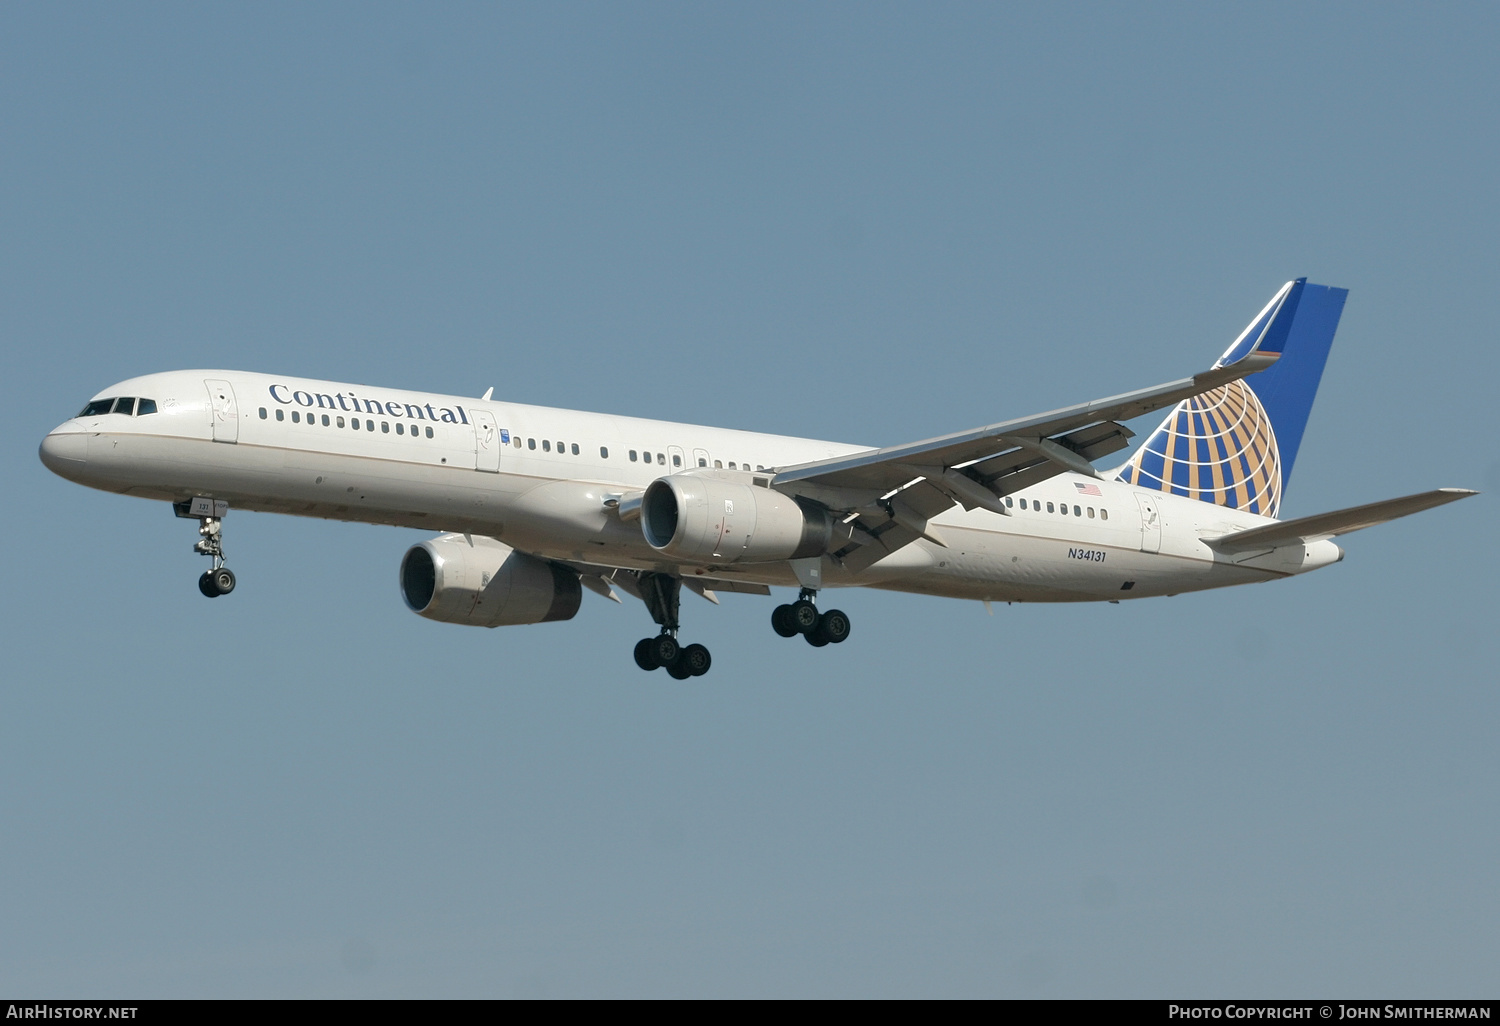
(340,421)
(97,407)
(262,413)
(1104,514)
(1049,507)
(732,466)
(661,459)
(718,465)
(1023,503)
(125,405)
(702,462)
(531,443)
(296,417)
(603,453)
(369,425)
(429,435)
(1077,512)
(676,460)
(385,427)
(575,448)
(632,455)
(280,415)
(146,406)
(400,430)
(1091,512)
(354,423)
(546,445)
(561,448)
(325,420)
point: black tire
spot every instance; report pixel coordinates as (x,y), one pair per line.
(645,656)
(834,625)
(696,659)
(223,580)
(781,621)
(664,650)
(206,585)
(679,668)
(817,639)
(804,616)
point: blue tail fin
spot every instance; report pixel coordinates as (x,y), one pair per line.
(1234,446)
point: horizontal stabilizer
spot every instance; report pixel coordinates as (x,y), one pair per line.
(1331,525)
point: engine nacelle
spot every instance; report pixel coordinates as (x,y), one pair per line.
(485,583)
(709,519)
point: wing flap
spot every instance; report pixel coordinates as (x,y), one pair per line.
(1338,522)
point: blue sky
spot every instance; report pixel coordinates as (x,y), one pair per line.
(871,223)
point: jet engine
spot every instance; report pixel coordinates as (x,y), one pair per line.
(708,519)
(484,583)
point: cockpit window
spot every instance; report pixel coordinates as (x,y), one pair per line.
(127,405)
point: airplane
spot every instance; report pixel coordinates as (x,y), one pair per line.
(533,505)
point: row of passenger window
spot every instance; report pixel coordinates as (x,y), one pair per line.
(636,456)
(128,405)
(354,422)
(702,462)
(562,447)
(1061,507)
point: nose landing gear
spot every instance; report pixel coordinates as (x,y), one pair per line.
(802,617)
(210,516)
(661,593)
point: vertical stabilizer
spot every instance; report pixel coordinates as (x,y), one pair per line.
(1235,445)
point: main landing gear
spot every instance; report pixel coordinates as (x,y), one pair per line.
(802,617)
(210,516)
(662,593)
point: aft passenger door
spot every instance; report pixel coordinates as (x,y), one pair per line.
(1150,522)
(223,411)
(486,442)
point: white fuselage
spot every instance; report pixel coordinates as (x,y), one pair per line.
(541,481)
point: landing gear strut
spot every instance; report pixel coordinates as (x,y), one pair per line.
(662,593)
(802,617)
(210,516)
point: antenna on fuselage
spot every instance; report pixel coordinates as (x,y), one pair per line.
(487,393)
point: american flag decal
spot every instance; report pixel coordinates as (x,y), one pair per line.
(1087,489)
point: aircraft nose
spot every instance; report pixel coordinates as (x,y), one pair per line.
(65,452)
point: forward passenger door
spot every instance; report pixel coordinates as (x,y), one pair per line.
(223,412)
(486,442)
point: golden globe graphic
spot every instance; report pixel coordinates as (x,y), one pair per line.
(1216,447)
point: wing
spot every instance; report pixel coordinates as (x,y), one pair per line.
(1331,525)
(888,495)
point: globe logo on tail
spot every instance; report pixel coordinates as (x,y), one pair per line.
(1216,447)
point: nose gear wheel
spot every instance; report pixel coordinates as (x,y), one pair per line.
(210,516)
